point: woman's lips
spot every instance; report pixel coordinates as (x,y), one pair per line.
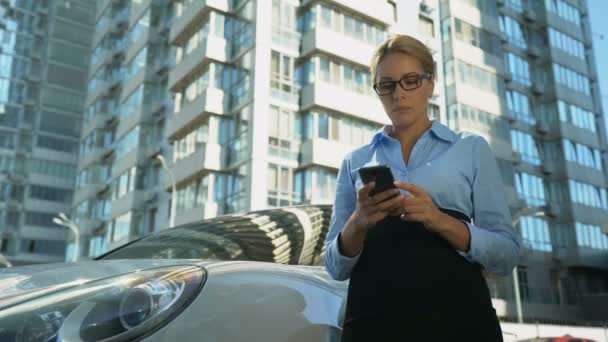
(401,109)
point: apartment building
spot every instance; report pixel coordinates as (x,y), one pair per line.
(522,74)
(44,55)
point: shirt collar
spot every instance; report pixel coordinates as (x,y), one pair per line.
(438,129)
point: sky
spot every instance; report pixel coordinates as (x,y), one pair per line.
(599,26)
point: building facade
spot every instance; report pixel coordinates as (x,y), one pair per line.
(522,74)
(118,192)
(44,55)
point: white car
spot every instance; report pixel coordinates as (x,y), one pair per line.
(164,287)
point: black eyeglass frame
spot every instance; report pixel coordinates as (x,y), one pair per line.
(420,77)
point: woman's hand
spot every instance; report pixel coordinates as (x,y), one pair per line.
(373,209)
(419,206)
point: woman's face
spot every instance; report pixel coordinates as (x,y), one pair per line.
(404,107)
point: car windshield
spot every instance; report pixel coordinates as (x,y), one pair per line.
(292,235)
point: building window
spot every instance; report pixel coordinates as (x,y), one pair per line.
(345,75)
(475,77)
(566,43)
(587,194)
(530,188)
(582,154)
(526,145)
(282,80)
(48,193)
(564,10)
(97,246)
(576,116)
(128,181)
(522,277)
(426,26)
(321,180)
(519,68)
(355,27)
(591,236)
(518,105)
(284,24)
(282,136)
(127,143)
(516,5)
(571,79)
(281,186)
(120,227)
(535,233)
(514,31)
(190,143)
(193,195)
(477,37)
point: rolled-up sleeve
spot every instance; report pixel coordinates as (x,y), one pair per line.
(338,265)
(494,243)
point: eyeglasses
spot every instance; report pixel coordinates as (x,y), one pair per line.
(408,82)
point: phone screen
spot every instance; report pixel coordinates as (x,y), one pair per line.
(381,174)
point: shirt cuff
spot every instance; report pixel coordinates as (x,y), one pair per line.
(342,264)
(470,255)
(343,258)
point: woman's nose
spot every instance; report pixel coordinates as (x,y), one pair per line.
(399,92)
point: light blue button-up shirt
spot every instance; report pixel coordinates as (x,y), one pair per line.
(458,170)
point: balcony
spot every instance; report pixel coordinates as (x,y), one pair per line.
(529,15)
(131,120)
(99,90)
(135,47)
(49,206)
(207,158)
(377,10)
(183,26)
(98,122)
(212,48)
(130,201)
(120,21)
(88,191)
(208,209)
(589,215)
(537,88)
(130,84)
(101,32)
(542,127)
(140,9)
(534,51)
(323,152)
(585,174)
(337,44)
(101,60)
(333,97)
(102,5)
(579,256)
(88,226)
(95,155)
(195,112)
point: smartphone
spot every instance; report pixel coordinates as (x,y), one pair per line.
(381,174)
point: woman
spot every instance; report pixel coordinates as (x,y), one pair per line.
(413,256)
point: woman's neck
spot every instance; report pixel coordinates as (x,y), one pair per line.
(408,135)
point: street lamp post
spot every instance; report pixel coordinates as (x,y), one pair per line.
(173,190)
(63,220)
(524,211)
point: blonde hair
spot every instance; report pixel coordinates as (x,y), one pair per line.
(407,45)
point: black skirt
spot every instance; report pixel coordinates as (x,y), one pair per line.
(411,285)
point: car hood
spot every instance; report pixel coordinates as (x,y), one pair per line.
(18,284)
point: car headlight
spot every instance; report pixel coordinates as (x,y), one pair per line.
(120,308)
